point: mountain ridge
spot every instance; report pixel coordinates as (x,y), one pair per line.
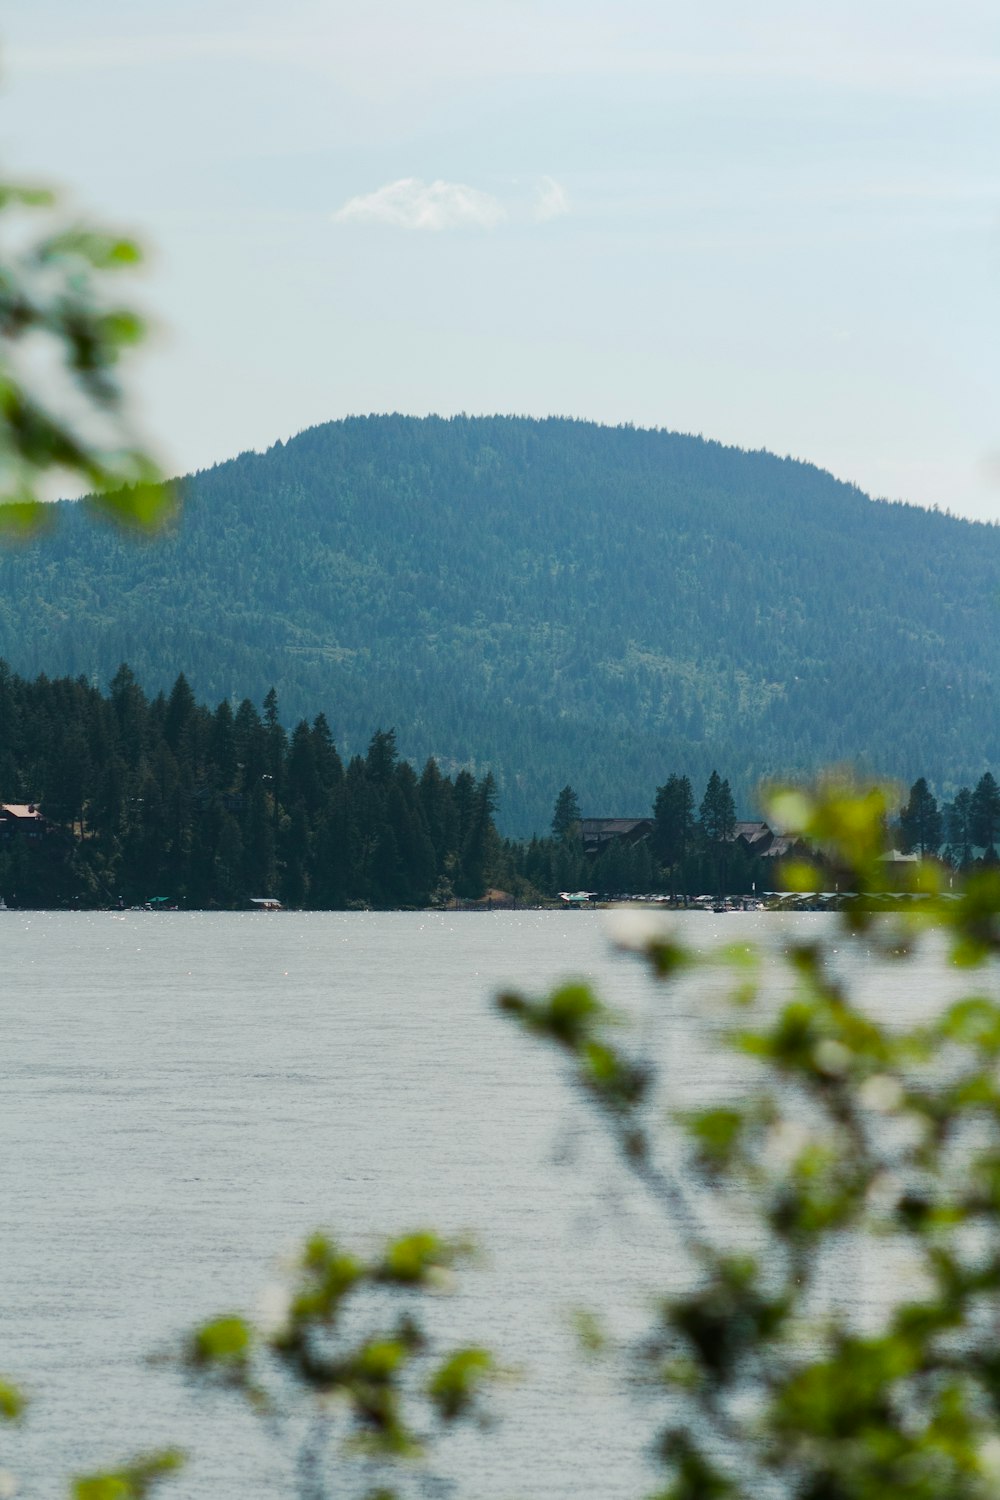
(548,598)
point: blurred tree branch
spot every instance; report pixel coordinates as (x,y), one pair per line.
(60,333)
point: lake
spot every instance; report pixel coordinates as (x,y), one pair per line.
(185,1096)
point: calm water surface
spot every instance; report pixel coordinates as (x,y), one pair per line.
(185,1095)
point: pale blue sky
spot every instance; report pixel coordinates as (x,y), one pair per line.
(777,225)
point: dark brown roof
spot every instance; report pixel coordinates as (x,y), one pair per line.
(612,827)
(596,832)
(782,845)
(752,833)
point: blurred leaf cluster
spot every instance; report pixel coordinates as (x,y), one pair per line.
(346,1338)
(60,333)
(134,1482)
(856,1143)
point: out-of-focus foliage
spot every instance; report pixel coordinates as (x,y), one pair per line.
(133,1482)
(11,1402)
(347,1338)
(62,408)
(562,602)
(855,1140)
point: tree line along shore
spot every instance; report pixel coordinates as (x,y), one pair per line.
(120,798)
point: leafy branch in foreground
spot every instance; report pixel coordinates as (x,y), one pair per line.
(133,1482)
(59,331)
(346,1338)
(853,1140)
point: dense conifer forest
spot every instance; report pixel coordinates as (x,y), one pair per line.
(167,801)
(545,600)
(118,798)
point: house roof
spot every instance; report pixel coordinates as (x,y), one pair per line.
(610,827)
(753,833)
(21,810)
(782,844)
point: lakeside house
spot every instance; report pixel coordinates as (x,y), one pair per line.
(597,833)
(22,820)
(760,840)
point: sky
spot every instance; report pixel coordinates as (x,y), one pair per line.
(775,225)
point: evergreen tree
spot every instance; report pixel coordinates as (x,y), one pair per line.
(717,811)
(302,782)
(566,815)
(920,821)
(437,801)
(380,761)
(180,713)
(259,864)
(673,811)
(718,822)
(227,863)
(958,827)
(276,743)
(480,842)
(251,745)
(130,708)
(416,851)
(222,748)
(329,768)
(295,841)
(330,884)
(984,813)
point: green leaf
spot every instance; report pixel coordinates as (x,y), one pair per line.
(121,328)
(20,519)
(589,1330)
(454,1386)
(130,1483)
(410,1258)
(976,1022)
(569,1016)
(25,197)
(716,1133)
(380,1359)
(102,252)
(145,507)
(225,1341)
(11,1402)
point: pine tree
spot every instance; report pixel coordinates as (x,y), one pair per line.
(717,811)
(958,827)
(985,815)
(673,810)
(380,761)
(222,747)
(920,821)
(302,783)
(180,712)
(566,815)
(718,821)
(329,767)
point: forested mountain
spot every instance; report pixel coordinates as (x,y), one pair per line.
(550,600)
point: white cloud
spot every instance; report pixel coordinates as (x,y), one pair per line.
(411,203)
(551,201)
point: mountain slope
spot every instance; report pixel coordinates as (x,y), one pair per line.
(555,600)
